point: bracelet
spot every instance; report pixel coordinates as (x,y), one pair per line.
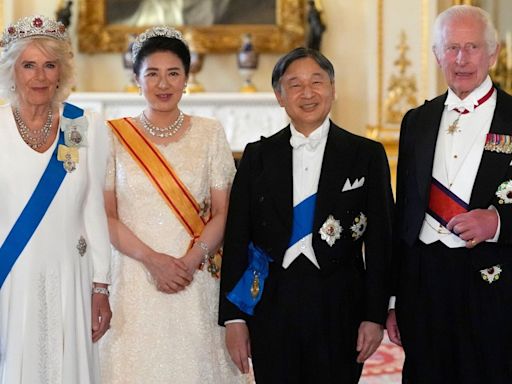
(101,291)
(206,250)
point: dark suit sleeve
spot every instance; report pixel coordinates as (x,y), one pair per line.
(378,236)
(237,236)
(401,171)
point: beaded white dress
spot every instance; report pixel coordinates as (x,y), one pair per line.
(157,337)
(45,302)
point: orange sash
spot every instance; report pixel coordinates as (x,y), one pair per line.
(175,194)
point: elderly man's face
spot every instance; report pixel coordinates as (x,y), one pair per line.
(464,57)
(306,92)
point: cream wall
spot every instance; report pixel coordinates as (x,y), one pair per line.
(350,42)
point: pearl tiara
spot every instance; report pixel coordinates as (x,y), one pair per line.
(163,31)
(31,26)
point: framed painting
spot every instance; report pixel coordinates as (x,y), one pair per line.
(214,25)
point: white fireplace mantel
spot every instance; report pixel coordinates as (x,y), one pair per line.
(245,116)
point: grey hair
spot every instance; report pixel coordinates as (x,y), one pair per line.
(59,49)
(462,11)
(299,53)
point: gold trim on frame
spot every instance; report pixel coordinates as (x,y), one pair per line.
(96,36)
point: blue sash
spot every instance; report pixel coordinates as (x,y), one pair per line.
(36,207)
(243,295)
(303,216)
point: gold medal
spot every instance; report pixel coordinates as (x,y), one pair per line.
(68,156)
(255,287)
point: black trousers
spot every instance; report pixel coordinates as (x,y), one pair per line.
(456,328)
(305,332)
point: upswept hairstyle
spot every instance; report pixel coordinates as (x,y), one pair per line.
(162,44)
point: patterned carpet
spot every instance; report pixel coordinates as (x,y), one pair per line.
(385,366)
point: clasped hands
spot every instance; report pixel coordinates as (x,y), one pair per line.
(170,274)
(475,226)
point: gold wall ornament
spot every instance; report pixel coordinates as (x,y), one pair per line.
(402,87)
(501,73)
(95,35)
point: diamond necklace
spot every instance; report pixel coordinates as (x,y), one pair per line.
(168,131)
(35,138)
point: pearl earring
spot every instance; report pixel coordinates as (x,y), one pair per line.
(13,88)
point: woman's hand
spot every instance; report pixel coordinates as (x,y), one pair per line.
(171,275)
(101,315)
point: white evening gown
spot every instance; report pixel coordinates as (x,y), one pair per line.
(45,302)
(157,337)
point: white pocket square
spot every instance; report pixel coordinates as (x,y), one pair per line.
(356,184)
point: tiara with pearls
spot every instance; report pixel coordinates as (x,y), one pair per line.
(163,31)
(31,26)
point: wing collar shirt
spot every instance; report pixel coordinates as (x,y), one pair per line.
(307,156)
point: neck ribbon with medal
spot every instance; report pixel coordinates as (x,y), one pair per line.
(452,128)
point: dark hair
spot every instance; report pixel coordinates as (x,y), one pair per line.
(163,44)
(299,53)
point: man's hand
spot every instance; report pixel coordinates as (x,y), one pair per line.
(101,315)
(475,226)
(239,345)
(368,340)
(392,328)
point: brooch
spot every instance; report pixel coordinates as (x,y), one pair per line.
(74,131)
(498,143)
(330,230)
(504,192)
(81,246)
(359,226)
(491,274)
(68,156)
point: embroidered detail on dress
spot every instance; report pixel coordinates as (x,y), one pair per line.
(48,343)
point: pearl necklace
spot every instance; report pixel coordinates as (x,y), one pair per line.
(168,131)
(35,138)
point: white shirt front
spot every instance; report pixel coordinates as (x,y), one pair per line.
(458,154)
(307,164)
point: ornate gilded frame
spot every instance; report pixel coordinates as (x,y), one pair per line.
(96,36)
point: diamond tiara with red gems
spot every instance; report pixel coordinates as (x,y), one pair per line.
(31,26)
(154,32)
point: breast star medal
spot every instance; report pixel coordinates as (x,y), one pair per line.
(491,274)
(330,230)
(504,192)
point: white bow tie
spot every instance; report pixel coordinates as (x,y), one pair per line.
(309,143)
(460,107)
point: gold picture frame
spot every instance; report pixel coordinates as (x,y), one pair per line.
(95,35)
